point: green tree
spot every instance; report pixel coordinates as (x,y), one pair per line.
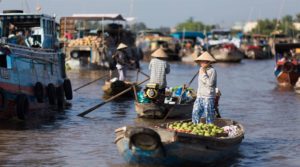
(136,27)
(265,27)
(297,17)
(285,25)
(191,25)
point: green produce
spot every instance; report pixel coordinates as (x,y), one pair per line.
(209,130)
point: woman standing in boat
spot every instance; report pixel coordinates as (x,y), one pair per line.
(122,61)
(206,93)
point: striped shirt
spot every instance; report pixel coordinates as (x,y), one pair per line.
(158,70)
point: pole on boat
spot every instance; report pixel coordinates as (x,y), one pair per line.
(184,87)
(110,99)
(91,82)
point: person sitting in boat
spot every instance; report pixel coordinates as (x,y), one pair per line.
(159,67)
(206,93)
(122,61)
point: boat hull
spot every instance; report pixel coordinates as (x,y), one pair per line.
(156,111)
(287,78)
(225,55)
(24,82)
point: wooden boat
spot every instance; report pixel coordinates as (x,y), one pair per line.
(287,70)
(161,146)
(258,52)
(226,52)
(32,73)
(256,47)
(159,111)
(113,88)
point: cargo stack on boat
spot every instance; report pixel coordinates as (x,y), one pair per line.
(164,145)
(32,70)
(93,39)
(176,102)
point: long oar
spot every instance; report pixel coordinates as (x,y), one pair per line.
(182,92)
(91,82)
(110,99)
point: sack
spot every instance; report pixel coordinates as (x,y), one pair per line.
(142,98)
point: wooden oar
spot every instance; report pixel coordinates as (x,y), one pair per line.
(110,99)
(91,82)
(182,92)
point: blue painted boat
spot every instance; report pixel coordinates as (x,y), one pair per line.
(32,70)
(161,146)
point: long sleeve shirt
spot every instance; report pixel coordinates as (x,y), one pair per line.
(121,59)
(158,70)
(207,84)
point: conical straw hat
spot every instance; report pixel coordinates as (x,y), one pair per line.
(206,57)
(159,53)
(121,46)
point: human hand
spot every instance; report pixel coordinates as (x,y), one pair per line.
(202,70)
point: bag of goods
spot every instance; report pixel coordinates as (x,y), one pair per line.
(208,130)
(91,41)
(142,98)
(232,130)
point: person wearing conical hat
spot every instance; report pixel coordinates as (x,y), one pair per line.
(159,68)
(121,61)
(206,92)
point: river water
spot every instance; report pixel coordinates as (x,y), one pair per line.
(250,96)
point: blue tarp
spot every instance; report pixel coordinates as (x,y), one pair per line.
(179,35)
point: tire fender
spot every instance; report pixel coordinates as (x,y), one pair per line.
(39,92)
(144,138)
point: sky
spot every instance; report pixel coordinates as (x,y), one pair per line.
(157,13)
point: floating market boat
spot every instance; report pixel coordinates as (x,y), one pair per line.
(163,146)
(287,70)
(256,47)
(226,52)
(149,41)
(159,111)
(90,46)
(32,70)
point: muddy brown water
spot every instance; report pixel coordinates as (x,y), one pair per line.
(270,115)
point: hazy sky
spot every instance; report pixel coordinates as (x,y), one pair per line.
(157,13)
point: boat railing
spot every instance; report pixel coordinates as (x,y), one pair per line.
(30,48)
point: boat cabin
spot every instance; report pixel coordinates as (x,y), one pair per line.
(31,30)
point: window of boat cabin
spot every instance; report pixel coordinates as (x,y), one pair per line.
(15,27)
(5,61)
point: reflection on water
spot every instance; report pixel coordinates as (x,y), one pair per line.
(249,95)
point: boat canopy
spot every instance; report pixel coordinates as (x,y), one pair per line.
(286,47)
(115,17)
(194,35)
